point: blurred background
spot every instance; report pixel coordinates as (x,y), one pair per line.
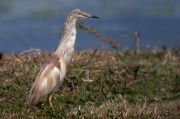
(26,24)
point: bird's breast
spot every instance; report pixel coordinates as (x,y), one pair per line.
(69,46)
(71,39)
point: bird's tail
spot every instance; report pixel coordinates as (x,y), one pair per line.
(33,99)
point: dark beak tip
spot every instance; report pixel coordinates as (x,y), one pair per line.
(95,17)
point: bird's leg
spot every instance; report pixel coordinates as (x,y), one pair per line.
(49,100)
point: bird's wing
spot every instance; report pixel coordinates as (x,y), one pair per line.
(46,81)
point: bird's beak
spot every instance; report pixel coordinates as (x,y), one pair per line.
(91,16)
(95,17)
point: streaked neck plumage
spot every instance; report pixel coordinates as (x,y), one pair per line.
(68,38)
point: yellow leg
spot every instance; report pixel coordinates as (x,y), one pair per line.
(49,100)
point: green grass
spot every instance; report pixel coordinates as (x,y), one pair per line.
(98,84)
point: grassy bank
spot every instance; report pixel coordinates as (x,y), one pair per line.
(99,84)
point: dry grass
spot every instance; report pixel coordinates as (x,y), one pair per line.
(99,84)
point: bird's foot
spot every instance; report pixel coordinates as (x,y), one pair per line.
(49,100)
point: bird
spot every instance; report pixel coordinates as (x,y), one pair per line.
(53,72)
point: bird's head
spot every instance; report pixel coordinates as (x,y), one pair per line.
(77,13)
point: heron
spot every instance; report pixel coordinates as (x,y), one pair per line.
(53,72)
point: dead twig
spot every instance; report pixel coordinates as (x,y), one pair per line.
(137,40)
(113,43)
(38,51)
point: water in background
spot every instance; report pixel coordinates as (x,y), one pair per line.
(37,24)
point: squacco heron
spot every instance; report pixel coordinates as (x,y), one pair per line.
(53,72)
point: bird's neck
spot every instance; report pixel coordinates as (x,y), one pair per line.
(68,26)
(68,38)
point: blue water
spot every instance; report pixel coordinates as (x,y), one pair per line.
(37,24)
